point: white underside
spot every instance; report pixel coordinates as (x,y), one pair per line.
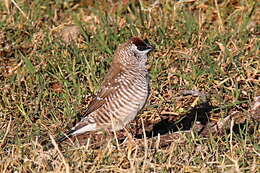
(87,128)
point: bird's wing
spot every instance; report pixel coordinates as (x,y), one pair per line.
(110,85)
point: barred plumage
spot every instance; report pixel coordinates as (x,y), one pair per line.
(123,92)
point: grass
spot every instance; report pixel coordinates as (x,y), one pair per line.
(47,78)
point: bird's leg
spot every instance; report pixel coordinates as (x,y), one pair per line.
(129,137)
(108,132)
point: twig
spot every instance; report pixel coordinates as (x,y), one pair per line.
(61,155)
(6,132)
(202,95)
(219,17)
(15,4)
(145,145)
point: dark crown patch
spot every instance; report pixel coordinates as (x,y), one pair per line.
(140,44)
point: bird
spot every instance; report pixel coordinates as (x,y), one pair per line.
(123,92)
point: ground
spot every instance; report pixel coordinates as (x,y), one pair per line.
(205,74)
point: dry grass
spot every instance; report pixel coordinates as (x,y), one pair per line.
(54,54)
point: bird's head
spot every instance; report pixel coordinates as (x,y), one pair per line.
(134,52)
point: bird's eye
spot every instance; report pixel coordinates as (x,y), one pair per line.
(142,45)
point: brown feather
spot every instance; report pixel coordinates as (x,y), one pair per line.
(108,86)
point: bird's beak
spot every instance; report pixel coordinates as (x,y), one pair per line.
(149,46)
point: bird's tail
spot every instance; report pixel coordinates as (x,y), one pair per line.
(66,136)
(59,140)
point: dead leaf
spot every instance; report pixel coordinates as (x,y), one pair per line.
(70,33)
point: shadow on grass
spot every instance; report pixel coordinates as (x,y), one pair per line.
(200,113)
